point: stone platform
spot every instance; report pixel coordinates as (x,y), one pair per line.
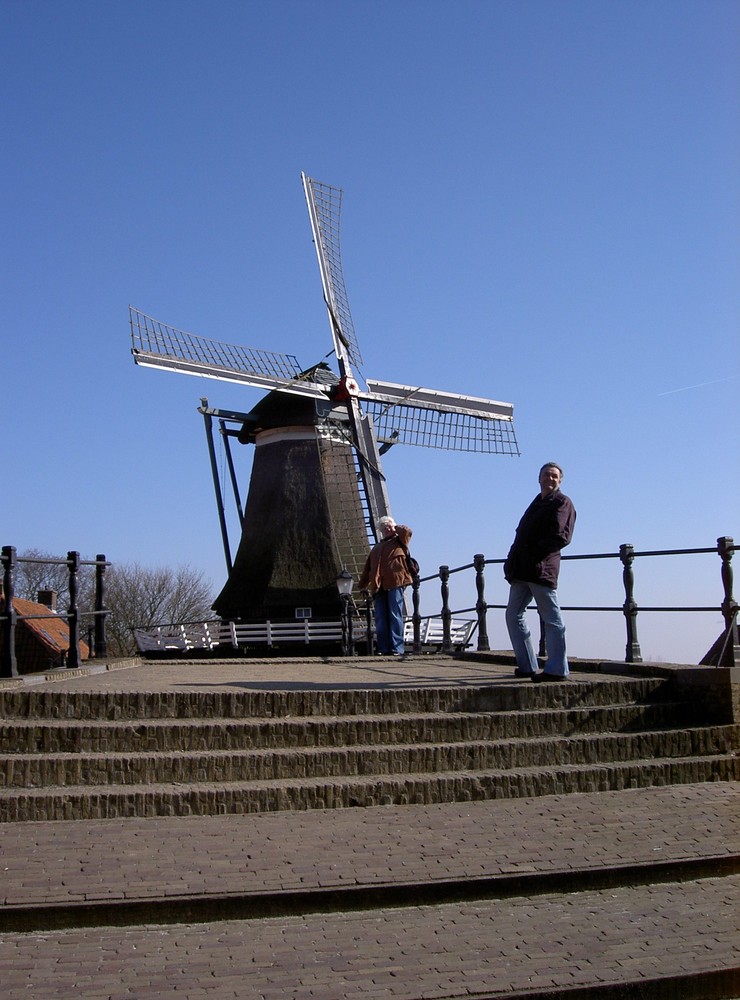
(623,893)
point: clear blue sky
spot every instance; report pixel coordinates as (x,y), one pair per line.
(541,206)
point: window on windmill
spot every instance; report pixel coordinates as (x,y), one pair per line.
(303,613)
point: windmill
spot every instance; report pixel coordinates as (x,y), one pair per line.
(317,489)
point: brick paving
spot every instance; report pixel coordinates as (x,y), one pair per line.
(241,855)
(492,943)
(491,948)
(294,674)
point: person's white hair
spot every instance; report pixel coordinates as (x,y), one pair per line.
(386,525)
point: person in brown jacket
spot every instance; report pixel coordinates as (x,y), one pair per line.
(385,575)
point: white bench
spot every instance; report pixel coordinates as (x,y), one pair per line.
(431,632)
(190,635)
(209,635)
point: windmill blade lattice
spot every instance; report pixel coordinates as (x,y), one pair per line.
(325,210)
(430,418)
(157,345)
(449,430)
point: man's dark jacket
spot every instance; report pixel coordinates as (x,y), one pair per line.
(546,527)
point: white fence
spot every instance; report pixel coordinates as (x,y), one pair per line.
(217,634)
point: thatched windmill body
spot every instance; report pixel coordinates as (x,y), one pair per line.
(317,489)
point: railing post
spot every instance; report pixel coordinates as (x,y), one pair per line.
(348,638)
(350,632)
(369,623)
(8,663)
(101,615)
(542,649)
(415,615)
(730,656)
(73,619)
(481,608)
(629,608)
(444,576)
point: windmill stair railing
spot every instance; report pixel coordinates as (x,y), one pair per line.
(80,754)
(348,505)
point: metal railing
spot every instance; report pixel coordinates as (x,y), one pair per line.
(9,617)
(724,653)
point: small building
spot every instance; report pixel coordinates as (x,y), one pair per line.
(41,643)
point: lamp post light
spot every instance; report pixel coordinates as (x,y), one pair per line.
(344,586)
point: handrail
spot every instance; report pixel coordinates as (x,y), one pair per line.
(725,652)
(729,651)
(9,617)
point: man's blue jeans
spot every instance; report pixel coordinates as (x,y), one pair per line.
(389,620)
(546,599)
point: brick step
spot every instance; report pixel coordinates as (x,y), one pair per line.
(97,769)
(65,736)
(162,908)
(104,802)
(34,704)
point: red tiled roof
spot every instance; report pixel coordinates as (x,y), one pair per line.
(50,633)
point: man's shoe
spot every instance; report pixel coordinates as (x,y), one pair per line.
(523,673)
(537,678)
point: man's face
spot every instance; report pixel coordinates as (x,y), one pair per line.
(549,480)
(387,529)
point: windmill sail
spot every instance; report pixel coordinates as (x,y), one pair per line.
(325,211)
(386,413)
(428,418)
(157,345)
(396,414)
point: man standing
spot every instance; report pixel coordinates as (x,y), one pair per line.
(385,575)
(532,568)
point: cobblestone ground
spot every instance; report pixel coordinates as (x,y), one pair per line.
(452,950)
(509,946)
(485,946)
(130,859)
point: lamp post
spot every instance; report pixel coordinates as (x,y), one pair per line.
(344,586)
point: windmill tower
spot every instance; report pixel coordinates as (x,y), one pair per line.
(317,489)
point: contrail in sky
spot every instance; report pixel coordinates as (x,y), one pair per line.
(699,385)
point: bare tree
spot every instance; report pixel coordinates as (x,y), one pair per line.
(135,596)
(37,570)
(138,596)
